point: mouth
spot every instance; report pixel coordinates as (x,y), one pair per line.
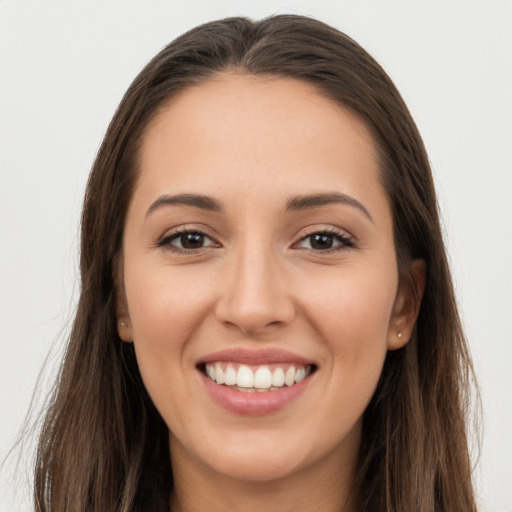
(256,378)
(255,382)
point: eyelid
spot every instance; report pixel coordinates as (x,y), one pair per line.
(346,241)
(175,233)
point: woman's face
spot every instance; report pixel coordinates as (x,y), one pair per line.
(258,251)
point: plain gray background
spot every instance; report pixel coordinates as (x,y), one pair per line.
(63,69)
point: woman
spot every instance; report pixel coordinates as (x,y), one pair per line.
(266,317)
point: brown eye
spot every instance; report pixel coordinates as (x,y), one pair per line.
(188,241)
(321,241)
(325,241)
(191,240)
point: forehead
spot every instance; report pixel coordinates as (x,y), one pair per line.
(257,132)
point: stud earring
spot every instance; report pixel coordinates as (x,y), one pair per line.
(400,335)
(123,324)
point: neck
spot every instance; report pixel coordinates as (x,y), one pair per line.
(325,485)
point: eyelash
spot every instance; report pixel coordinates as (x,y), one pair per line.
(344,241)
(167,241)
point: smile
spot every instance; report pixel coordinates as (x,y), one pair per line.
(261,378)
(256,383)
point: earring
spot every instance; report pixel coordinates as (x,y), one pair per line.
(400,335)
(123,324)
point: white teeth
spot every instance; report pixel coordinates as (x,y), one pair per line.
(278,377)
(244,377)
(289,376)
(230,376)
(262,380)
(219,374)
(300,374)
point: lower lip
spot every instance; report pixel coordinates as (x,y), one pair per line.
(254,404)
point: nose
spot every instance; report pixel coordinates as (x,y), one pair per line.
(254,298)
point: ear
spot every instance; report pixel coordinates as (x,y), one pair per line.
(124,326)
(407,306)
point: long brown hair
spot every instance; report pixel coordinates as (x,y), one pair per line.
(103,446)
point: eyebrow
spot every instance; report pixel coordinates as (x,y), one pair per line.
(296,203)
(196,200)
(322,199)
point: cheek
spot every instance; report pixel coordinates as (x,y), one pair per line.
(352,316)
(354,304)
(164,303)
(165,308)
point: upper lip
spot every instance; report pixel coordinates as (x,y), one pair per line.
(255,357)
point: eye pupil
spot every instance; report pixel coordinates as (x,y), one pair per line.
(192,240)
(321,241)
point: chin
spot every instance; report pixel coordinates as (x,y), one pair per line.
(262,468)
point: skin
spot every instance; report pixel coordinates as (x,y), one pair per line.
(251,143)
